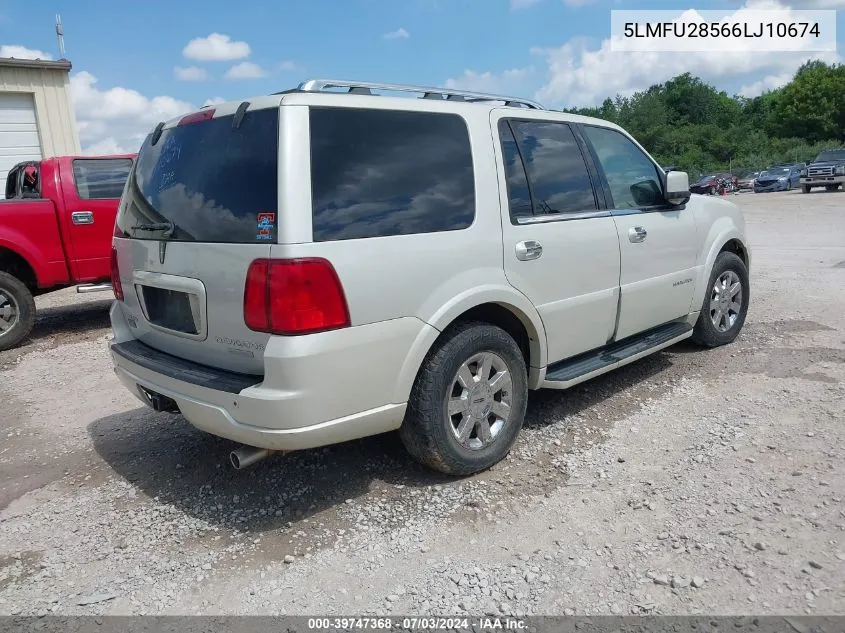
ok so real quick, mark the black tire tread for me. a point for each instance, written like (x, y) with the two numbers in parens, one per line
(420, 432)
(26, 306)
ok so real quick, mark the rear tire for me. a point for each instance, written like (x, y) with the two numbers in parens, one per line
(725, 303)
(468, 403)
(17, 311)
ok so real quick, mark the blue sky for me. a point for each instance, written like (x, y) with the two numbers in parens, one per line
(135, 62)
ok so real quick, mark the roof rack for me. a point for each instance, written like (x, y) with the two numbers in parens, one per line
(366, 88)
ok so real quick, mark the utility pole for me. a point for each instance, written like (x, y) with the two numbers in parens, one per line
(60, 35)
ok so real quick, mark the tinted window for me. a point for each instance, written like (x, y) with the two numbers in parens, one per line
(555, 167)
(381, 172)
(633, 179)
(214, 183)
(101, 178)
(519, 195)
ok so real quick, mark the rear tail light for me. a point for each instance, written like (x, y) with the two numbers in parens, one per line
(118, 232)
(294, 296)
(116, 285)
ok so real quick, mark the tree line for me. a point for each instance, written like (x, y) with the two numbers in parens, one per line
(690, 124)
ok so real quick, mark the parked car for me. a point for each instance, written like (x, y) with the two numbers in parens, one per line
(372, 263)
(710, 183)
(778, 178)
(746, 182)
(56, 228)
(828, 171)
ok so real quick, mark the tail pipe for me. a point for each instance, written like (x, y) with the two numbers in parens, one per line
(246, 456)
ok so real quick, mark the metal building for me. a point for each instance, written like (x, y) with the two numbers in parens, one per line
(36, 113)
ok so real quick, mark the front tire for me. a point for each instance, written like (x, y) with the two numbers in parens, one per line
(17, 311)
(468, 403)
(805, 188)
(725, 302)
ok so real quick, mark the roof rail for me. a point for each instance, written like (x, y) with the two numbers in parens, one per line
(364, 87)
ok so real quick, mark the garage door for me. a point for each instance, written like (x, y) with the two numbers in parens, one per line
(18, 133)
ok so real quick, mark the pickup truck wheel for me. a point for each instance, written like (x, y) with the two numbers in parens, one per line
(831, 187)
(468, 403)
(17, 311)
(805, 188)
(725, 302)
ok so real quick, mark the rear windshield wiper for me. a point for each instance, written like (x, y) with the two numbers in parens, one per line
(168, 227)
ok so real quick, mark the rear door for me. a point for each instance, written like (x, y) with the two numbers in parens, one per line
(658, 243)
(560, 245)
(199, 207)
(91, 188)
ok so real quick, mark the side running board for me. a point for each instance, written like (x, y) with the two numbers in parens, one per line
(605, 358)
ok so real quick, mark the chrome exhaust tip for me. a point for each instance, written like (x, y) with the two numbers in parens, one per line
(246, 456)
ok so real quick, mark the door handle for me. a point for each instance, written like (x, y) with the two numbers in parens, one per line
(82, 217)
(637, 234)
(529, 249)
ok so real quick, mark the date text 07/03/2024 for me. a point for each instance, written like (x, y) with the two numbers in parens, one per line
(417, 624)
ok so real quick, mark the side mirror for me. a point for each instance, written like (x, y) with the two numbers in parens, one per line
(677, 188)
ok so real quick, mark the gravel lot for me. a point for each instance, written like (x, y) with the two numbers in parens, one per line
(689, 482)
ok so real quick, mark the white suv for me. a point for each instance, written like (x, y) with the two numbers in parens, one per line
(329, 263)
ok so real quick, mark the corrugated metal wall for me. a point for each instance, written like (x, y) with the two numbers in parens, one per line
(53, 108)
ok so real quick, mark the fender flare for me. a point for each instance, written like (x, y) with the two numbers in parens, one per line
(504, 296)
(20, 245)
(724, 236)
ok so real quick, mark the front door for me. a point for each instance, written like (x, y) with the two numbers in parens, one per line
(658, 243)
(560, 248)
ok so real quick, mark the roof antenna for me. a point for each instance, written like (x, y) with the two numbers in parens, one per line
(60, 35)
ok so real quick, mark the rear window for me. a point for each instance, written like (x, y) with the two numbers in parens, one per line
(99, 179)
(212, 182)
(380, 172)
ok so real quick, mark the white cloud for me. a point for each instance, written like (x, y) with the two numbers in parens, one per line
(215, 47)
(245, 70)
(769, 82)
(118, 118)
(516, 5)
(288, 66)
(191, 73)
(815, 4)
(213, 101)
(22, 52)
(581, 74)
(506, 83)
(398, 34)
(105, 147)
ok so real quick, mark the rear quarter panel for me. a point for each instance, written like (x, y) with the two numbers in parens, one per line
(432, 277)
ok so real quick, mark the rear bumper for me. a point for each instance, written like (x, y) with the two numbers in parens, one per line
(305, 400)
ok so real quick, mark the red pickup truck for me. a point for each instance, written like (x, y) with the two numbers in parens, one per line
(56, 228)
